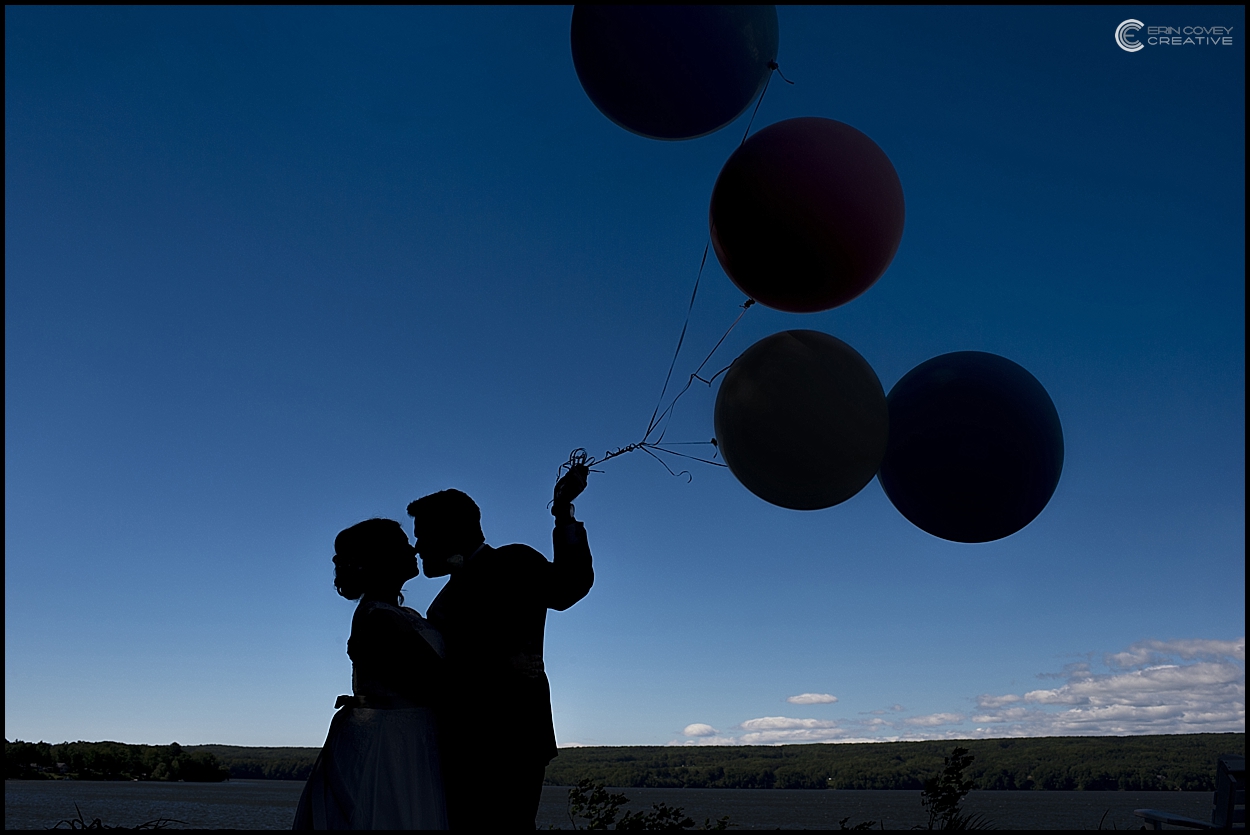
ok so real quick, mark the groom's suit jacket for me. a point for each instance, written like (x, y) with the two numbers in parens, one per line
(492, 614)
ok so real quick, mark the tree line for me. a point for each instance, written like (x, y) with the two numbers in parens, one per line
(246, 763)
(1106, 763)
(110, 761)
(1141, 763)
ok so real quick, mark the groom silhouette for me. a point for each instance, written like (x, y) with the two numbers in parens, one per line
(498, 734)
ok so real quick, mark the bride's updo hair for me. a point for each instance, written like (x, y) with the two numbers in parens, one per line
(364, 556)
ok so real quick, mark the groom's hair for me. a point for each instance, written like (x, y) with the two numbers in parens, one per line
(447, 508)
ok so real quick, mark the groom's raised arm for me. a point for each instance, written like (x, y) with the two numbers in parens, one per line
(571, 574)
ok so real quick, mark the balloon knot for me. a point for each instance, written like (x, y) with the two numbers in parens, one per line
(772, 65)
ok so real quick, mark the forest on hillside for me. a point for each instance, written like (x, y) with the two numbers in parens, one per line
(1146, 763)
(1103, 763)
(264, 763)
(110, 761)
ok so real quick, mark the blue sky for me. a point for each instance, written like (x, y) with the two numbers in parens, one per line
(269, 272)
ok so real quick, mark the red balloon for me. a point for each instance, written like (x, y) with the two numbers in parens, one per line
(806, 215)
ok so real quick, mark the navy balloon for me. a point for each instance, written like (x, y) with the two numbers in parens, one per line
(673, 72)
(975, 449)
(801, 420)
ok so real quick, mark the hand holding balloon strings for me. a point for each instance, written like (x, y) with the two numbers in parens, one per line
(569, 486)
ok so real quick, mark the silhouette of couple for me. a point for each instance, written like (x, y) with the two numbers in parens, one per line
(449, 724)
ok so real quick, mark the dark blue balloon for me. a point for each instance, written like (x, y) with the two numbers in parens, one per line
(673, 72)
(975, 449)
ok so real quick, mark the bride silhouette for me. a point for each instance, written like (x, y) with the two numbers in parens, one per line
(380, 766)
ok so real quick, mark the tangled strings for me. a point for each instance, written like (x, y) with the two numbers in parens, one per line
(658, 424)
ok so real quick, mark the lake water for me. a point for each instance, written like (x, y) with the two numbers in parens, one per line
(270, 804)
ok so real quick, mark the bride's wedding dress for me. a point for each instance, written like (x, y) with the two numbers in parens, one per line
(380, 766)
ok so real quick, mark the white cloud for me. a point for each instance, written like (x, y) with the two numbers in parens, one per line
(1152, 687)
(1009, 715)
(1148, 689)
(716, 739)
(1155, 652)
(775, 730)
(777, 737)
(997, 701)
(934, 719)
(892, 709)
(777, 723)
(812, 699)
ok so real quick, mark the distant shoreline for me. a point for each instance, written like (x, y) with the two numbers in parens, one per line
(1171, 762)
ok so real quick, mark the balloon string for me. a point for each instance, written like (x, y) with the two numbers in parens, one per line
(660, 418)
(695, 376)
(680, 340)
(579, 457)
(772, 67)
(651, 425)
